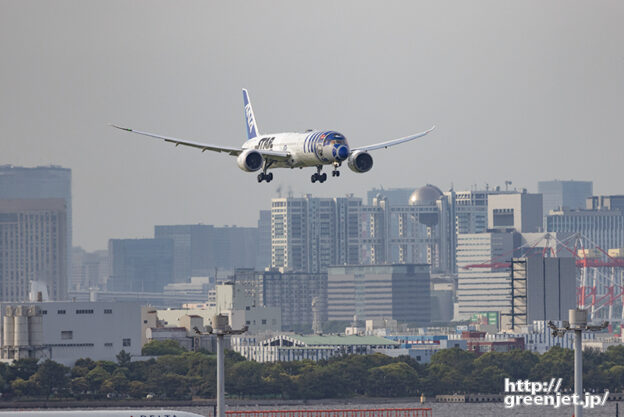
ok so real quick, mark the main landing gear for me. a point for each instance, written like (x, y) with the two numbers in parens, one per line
(265, 177)
(318, 176)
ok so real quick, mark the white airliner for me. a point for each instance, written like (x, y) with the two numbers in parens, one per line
(313, 148)
(99, 413)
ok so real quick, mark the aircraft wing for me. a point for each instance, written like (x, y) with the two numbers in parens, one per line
(203, 146)
(267, 153)
(392, 142)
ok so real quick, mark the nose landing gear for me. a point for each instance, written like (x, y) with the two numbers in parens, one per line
(335, 172)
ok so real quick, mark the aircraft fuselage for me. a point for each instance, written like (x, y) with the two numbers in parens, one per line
(312, 148)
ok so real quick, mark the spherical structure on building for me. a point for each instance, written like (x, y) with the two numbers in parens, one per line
(425, 196)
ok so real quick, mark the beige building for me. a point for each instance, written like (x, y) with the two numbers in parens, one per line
(231, 301)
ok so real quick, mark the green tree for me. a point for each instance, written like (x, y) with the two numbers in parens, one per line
(137, 389)
(96, 377)
(172, 386)
(51, 377)
(162, 347)
(245, 379)
(318, 382)
(23, 368)
(79, 386)
(25, 388)
(85, 363)
(615, 375)
(123, 358)
(488, 380)
(396, 379)
(556, 363)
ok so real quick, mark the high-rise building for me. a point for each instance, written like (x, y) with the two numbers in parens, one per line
(519, 211)
(420, 230)
(294, 293)
(558, 195)
(89, 269)
(140, 265)
(483, 273)
(470, 210)
(542, 289)
(263, 256)
(605, 202)
(33, 247)
(201, 249)
(604, 228)
(399, 292)
(308, 233)
(40, 182)
(396, 196)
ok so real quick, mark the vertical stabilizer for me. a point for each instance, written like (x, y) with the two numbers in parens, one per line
(250, 119)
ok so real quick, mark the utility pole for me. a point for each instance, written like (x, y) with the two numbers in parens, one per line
(221, 328)
(577, 322)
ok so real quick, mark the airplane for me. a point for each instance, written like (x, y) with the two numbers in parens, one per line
(312, 148)
(98, 413)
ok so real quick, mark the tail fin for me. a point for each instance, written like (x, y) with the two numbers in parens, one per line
(250, 119)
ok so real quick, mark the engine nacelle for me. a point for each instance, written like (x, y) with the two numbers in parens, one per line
(250, 160)
(360, 161)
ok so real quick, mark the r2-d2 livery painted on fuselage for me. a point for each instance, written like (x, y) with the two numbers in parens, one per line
(313, 148)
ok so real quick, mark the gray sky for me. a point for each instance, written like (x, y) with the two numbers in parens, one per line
(519, 90)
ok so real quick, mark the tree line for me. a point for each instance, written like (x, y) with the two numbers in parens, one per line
(177, 374)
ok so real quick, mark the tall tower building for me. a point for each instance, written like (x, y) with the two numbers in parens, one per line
(570, 195)
(398, 292)
(200, 248)
(40, 182)
(484, 281)
(33, 247)
(308, 234)
(140, 265)
(263, 256)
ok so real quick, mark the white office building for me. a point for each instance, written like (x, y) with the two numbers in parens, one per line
(483, 278)
(67, 331)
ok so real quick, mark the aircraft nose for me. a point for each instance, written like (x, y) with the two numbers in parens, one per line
(342, 153)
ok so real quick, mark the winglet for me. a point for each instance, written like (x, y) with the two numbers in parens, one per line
(122, 128)
(250, 119)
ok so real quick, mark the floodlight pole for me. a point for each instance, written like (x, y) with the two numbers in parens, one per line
(220, 375)
(577, 323)
(220, 329)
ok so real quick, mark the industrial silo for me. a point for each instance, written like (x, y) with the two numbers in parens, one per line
(35, 326)
(21, 326)
(8, 329)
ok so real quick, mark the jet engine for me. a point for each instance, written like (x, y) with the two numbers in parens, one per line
(250, 160)
(360, 161)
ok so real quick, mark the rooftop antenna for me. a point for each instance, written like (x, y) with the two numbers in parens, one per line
(507, 184)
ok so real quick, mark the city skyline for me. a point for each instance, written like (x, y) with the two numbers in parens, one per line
(520, 91)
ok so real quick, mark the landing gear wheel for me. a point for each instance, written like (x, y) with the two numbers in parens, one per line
(261, 177)
(335, 173)
(322, 177)
(268, 177)
(314, 178)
